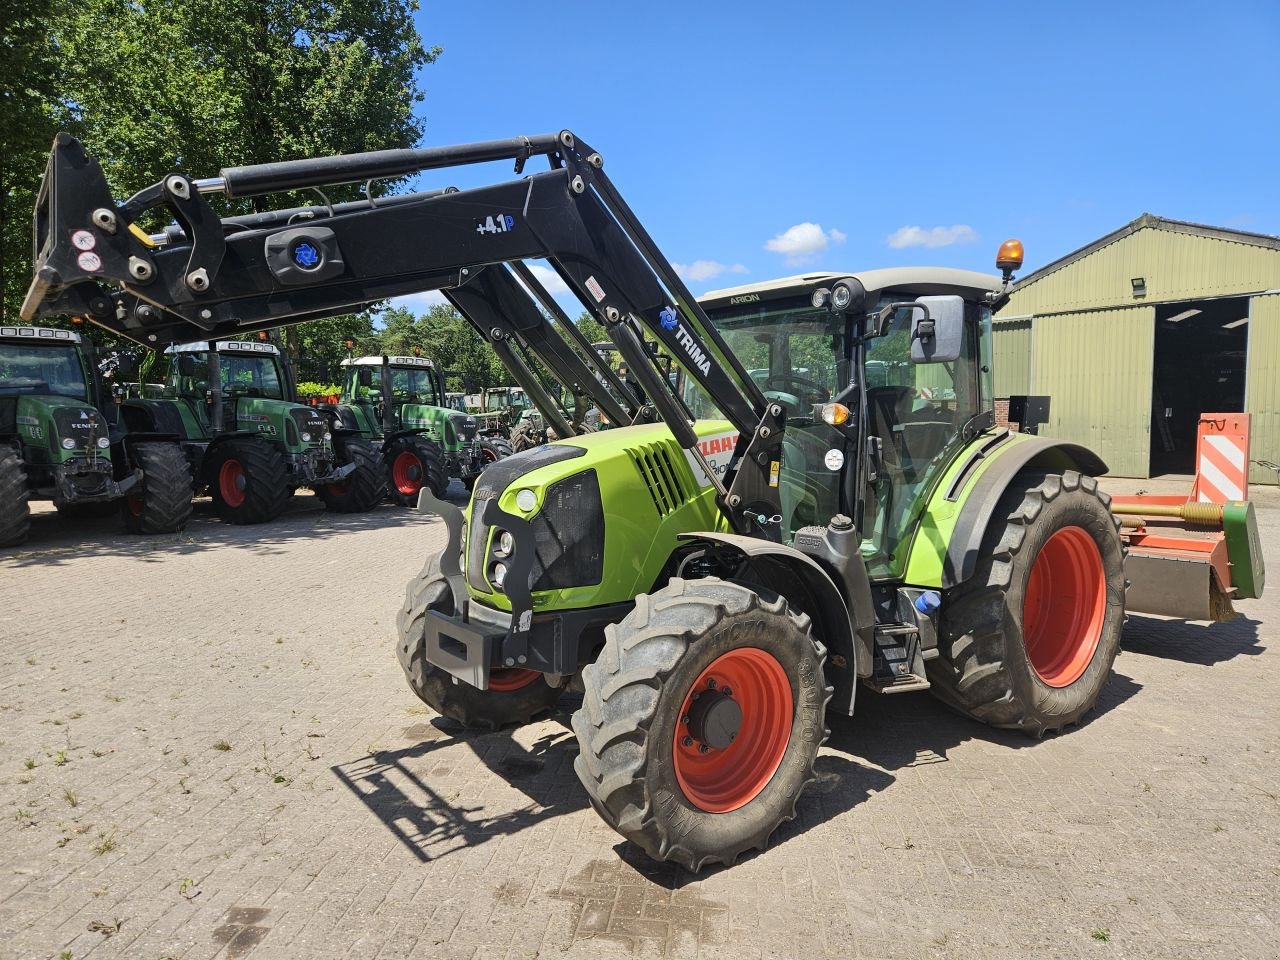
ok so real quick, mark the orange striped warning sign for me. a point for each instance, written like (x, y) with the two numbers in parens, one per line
(1222, 458)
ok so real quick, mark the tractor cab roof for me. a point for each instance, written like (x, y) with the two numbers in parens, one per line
(226, 346)
(391, 361)
(39, 334)
(920, 281)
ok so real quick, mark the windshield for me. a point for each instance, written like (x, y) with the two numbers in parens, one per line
(28, 368)
(413, 385)
(242, 376)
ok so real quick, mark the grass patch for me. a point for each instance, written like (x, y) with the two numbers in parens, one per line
(1102, 936)
(222, 745)
(105, 843)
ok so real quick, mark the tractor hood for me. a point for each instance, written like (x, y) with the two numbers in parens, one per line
(61, 428)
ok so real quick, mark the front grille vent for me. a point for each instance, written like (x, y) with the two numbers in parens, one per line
(658, 470)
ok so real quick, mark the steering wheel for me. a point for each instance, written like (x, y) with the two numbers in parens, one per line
(809, 390)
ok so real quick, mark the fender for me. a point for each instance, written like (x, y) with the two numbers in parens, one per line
(811, 589)
(985, 471)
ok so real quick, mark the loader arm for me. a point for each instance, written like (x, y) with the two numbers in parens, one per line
(208, 277)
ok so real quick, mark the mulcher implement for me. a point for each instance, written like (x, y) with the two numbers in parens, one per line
(819, 499)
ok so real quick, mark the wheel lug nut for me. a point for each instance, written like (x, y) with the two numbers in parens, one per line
(726, 691)
(711, 683)
(685, 721)
(687, 741)
(695, 696)
(703, 748)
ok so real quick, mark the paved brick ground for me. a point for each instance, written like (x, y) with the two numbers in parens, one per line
(207, 750)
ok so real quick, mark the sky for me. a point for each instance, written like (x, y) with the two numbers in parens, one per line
(756, 140)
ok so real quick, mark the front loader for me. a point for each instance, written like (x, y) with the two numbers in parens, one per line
(62, 439)
(735, 557)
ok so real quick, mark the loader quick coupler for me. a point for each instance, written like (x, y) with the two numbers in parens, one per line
(79, 481)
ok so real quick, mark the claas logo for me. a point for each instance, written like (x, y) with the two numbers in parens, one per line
(718, 445)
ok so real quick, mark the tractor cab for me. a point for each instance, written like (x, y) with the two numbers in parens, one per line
(235, 377)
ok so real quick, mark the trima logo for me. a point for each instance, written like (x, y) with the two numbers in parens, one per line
(670, 320)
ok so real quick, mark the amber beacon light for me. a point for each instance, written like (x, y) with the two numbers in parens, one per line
(1009, 258)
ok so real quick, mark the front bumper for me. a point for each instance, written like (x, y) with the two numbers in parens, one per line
(315, 468)
(90, 480)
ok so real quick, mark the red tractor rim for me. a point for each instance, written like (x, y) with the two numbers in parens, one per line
(752, 689)
(490, 455)
(231, 483)
(505, 681)
(1064, 607)
(406, 472)
(136, 504)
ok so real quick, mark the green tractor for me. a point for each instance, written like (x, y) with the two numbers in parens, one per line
(399, 404)
(60, 441)
(249, 445)
(822, 503)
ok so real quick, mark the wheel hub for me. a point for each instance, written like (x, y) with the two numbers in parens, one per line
(714, 718)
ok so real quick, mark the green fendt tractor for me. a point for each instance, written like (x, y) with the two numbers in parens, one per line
(60, 440)
(249, 444)
(398, 403)
(737, 556)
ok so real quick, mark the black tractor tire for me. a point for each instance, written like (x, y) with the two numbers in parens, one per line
(514, 697)
(247, 480)
(1029, 640)
(15, 517)
(492, 449)
(675, 800)
(413, 463)
(86, 509)
(364, 487)
(161, 502)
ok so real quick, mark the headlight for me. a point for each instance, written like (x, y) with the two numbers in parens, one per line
(68, 444)
(103, 443)
(306, 438)
(328, 436)
(498, 575)
(526, 500)
(506, 544)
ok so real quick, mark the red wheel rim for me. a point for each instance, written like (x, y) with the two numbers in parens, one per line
(406, 473)
(1064, 607)
(490, 455)
(504, 681)
(721, 780)
(231, 483)
(136, 504)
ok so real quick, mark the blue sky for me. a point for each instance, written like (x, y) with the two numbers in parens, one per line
(760, 139)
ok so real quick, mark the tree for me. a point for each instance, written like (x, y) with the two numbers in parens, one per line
(28, 78)
(157, 85)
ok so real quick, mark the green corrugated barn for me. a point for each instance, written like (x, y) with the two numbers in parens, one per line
(1135, 335)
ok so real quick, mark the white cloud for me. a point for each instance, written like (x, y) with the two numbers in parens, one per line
(701, 270)
(931, 237)
(549, 279)
(420, 302)
(801, 242)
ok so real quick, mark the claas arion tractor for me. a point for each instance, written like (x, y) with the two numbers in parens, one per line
(821, 502)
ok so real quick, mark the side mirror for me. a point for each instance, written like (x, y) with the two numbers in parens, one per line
(186, 365)
(937, 329)
(364, 376)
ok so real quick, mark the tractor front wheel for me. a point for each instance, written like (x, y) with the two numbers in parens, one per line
(1029, 640)
(364, 487)
(701, 721)
(15, 517)
(413, 463)
(514, 697)
(247, 480)
(161, 503)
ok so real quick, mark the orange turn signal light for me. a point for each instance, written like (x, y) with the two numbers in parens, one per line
(262, 335)
(834, 414)
(349, 344)
(1010, 255)
(417, 351)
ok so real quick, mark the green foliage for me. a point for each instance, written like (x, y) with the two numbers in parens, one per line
(309, 388)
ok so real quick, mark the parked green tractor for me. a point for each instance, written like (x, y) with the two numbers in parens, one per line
(740, 552)
(250, 446)
(399, 405)
(62, 440)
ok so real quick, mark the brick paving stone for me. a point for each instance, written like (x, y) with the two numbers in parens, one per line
(346, 821)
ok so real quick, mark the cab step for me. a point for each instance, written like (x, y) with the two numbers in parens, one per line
(898, 666)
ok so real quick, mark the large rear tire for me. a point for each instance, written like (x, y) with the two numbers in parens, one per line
(514, 697)
(247, 480)
(162, 503)
(364, 487)
(413, 463)
(492, 449)
(15, 517)
(1029, 640)
(690, 771)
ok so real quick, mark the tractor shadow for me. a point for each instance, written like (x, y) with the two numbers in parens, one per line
(55, 540)
(1192, 642)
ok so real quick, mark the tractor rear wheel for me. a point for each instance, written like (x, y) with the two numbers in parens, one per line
(514, 697)
(492, 449)
(413, 463)
(247, 480)
(364, 487)
(15, 517)
(701, 720)
(1029, 640)
(163, 501)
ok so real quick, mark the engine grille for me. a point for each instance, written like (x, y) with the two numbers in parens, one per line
(464, 426)
(658, 470)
